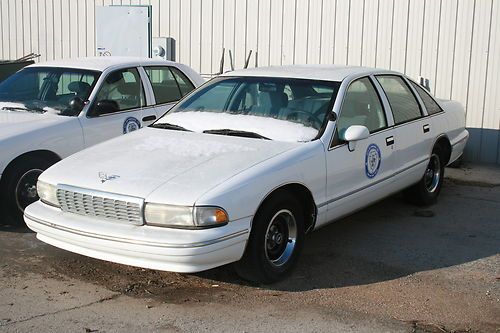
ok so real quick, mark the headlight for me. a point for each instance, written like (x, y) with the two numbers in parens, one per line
(184, 217)
(47, 193)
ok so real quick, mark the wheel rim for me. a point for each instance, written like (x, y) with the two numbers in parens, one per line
(281, 237)
(26, 188)
(432, 174)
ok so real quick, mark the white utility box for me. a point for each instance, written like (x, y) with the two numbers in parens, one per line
(123, 31)
(164, 47)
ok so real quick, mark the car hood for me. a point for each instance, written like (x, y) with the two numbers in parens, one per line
(172, 166)
(17, 122)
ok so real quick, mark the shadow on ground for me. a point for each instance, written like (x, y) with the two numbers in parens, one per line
(392, 239)
(385, 241)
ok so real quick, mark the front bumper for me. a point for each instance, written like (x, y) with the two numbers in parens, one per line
(176, 250)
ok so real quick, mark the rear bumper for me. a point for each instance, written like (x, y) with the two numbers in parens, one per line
(159, 248)
(457, 147)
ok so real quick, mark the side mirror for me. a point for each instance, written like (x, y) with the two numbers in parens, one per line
(332, 116)
(76, 105)
(353, 134)
(105, 106)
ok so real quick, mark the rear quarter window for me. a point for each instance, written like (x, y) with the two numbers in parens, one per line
(430, 104)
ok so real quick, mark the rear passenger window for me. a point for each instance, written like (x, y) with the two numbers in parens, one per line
(431, 105)
(165, 87)
(403, 103)
(361, 106)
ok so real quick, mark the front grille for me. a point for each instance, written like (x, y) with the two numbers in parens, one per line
(102, 205)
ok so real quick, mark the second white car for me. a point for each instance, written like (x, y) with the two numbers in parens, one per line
(51, 110)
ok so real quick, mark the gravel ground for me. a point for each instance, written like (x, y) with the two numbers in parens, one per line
(389, 268)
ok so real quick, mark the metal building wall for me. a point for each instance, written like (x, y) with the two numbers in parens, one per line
(454, 43)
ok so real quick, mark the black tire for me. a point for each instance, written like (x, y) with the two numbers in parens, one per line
(426, 191)
(18, 187)
(276, 240)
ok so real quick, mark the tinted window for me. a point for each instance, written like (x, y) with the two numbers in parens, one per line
(42, 89)
(361, 107)
(431, 105)
(75, 84)
(277, 108)
(184, 84)
(403, 103)
(122, 90)
(267, 98)
(165, 87)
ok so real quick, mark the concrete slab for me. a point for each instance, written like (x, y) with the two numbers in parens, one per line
(475, 174)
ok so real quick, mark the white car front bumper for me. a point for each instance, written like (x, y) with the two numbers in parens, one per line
(176, 250)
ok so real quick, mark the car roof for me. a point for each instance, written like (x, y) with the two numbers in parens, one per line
(103, 63)
(312, 72)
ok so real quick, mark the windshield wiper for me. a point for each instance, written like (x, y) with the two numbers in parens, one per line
(169, 126)
(230, 132)
(18, 108)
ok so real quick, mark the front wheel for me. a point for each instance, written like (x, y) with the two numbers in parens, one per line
(18, 188)
(275, 241)
(426, 191)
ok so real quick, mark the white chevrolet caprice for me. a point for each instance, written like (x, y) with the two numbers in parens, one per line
(244, 166)
(51, 110)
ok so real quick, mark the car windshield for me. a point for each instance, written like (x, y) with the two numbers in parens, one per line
(46, 89)
(281, 109)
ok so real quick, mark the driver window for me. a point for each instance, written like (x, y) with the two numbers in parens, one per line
(122, 90)
(361, 107)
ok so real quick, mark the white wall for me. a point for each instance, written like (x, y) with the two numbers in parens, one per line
(454, 43)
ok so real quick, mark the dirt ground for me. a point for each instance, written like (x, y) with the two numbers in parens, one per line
(392, 267)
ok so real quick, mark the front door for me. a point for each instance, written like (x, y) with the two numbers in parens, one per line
(360, 172)
(117, 108)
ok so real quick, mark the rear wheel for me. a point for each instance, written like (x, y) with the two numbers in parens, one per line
(18, 188)
(426, 191)
(275, 241)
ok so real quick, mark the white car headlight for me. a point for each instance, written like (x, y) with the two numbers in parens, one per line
(184, 217)
(47, 193)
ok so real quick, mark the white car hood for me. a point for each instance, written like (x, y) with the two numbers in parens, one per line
(17, 122)
(178, 167)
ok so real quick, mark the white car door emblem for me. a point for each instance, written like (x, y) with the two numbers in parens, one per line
(131, 124)
(104, 177)
(373, 159)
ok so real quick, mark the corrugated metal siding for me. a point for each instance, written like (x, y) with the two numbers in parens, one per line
(454, 43)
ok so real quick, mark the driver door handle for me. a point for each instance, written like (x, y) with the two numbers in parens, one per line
(389, 140)
(149, 118)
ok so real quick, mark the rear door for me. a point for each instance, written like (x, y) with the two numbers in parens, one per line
(117, 108)
(168, 85)
(412, 130)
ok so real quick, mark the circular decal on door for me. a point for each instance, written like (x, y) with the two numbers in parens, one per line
(131, 124)
(372, 160)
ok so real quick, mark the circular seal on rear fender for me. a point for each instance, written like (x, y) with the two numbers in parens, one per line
(373, 158)
(131, 124)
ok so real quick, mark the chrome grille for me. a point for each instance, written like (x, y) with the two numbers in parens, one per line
(98, 204)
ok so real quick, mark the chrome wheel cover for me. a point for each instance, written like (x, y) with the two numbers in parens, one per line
(432, 175)
(25, 191)
(280, 238)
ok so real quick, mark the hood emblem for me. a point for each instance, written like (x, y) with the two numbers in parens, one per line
(104, 177)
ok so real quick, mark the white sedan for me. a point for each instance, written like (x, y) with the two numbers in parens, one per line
(244, 166)
(51, 110)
